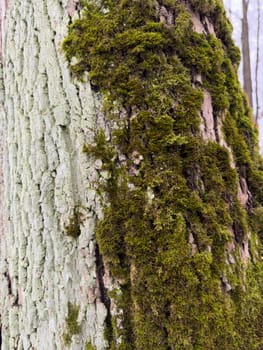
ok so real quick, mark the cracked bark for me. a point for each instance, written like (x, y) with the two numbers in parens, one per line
(45, 121)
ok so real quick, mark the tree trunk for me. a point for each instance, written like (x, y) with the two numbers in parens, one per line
(246, 53)
(257, 107)
(46, 119)
(141, 237)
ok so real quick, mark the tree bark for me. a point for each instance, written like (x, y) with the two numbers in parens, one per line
(257, 107)
(56, 290)
(246, 53)
(46, 119)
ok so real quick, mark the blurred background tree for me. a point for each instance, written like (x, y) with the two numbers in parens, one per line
(246, 17)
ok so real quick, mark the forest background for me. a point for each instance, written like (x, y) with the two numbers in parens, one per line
(236, 11)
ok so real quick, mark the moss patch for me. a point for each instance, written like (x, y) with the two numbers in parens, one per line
(72, 325)
(89, 346)
(173, 207)
(73, 227)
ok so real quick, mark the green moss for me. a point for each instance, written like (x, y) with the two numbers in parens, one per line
(73, 227)
(72, 325)
(173, 203)
(89, 346)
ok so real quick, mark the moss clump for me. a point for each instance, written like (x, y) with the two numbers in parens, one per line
(73, 227)
(72, 325)
(215, 12)
(173, 202)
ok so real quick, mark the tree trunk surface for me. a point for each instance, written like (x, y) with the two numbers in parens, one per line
(45, 121)
(58, 288)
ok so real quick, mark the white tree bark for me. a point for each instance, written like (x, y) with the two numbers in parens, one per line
(45, 121)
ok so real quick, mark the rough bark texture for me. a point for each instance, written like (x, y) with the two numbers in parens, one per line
(54, 283)
(45, 121)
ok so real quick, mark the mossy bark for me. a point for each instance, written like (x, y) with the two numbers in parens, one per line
(173, 209)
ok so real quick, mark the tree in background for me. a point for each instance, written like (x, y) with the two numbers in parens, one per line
(257, 107)
(246, 17)
(246, 52)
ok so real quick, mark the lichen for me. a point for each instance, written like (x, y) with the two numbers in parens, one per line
(172, 184)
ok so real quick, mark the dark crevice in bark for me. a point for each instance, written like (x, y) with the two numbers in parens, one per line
(238, 232)
(100, 271)
(9, 283)
(15, 303)
(216, 128)
(1, 337)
